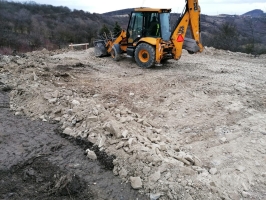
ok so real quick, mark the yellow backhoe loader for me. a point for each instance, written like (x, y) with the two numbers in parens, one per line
(149, 38)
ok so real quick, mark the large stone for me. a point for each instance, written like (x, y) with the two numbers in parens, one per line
(187, 171)
(68, 131)
(155, 176)
(240, 168)
(163, 146)
(20, 61)
(223, 140)
(213, 171)
(155, 196)
(92, 139)
(53, 100)
(120, 145)
(91, 154)
(102, 141)
(47, 96)
(136, 182)
(113, 128)
(35, 77)
(146, 170)
(92, 119)
(75, 102)
(68, 92)
(123, 173)
(95, 111)
(55, 94)
(197, 161)
(125, 133)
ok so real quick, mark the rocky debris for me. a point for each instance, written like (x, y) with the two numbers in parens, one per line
(54, 167)
(154, 124)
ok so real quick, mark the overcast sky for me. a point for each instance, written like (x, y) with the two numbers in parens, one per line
(208, 7)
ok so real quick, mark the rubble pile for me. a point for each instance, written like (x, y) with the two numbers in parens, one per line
(154, 150)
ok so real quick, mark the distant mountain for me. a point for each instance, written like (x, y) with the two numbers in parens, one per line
(254, 13)
(119, 12)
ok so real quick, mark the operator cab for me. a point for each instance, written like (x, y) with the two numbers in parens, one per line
(148, 22)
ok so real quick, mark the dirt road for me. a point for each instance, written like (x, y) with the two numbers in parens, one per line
(191, 129)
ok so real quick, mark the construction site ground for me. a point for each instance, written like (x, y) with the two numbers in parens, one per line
(74, 126)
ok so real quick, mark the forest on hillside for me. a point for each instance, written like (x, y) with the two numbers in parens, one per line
(30, 26)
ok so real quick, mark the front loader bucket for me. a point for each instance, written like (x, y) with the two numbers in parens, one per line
(99, 48)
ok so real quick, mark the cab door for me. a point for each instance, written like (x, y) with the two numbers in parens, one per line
(135, 27)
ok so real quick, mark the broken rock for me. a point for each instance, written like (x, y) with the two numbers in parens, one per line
(155, 177)
(75, 102)
(123, 173)
(136, 182)
(91, 154)
(113, 128)
(213, 171)
(68, 131)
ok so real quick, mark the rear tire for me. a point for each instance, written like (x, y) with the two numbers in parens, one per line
(145, 55)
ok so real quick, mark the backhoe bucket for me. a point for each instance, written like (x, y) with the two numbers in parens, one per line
(190, 45)
(99, 48)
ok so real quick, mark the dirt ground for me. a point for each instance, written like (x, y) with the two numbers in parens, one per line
(191, 129)
(40, 162)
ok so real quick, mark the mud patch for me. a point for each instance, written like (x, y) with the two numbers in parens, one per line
(105, 159)
(37, 163)
(38, 178)
(4, 100)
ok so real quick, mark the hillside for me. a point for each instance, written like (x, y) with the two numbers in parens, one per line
(30, 26)
(235, 33)
(254, 13)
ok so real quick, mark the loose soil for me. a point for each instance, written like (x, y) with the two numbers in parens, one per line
(191, 129)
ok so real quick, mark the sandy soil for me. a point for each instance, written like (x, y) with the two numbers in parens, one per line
(191, 129)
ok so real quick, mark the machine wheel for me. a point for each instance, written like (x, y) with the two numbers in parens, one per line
(115, 52)
(190, 52)
(145, 55)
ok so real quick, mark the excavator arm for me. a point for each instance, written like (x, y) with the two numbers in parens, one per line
(190, 17)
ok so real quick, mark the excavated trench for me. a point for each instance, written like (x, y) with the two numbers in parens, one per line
(38, 161)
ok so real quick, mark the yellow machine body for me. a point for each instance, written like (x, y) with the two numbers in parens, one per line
(149, 39)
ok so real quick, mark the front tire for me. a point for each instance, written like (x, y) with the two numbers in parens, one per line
(145, 55)
(116, 52)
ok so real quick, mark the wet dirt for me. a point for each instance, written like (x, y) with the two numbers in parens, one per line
(38, 161)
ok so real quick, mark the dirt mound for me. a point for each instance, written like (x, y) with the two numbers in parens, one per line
(191, 129)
